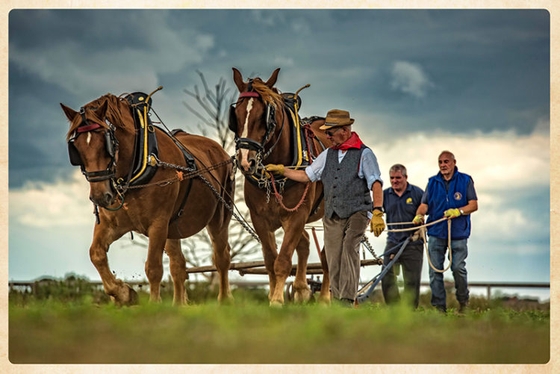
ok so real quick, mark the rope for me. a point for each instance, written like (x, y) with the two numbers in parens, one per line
(422, 229)
(279, 197)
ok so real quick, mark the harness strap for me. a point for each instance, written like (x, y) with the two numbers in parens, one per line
(249, 94)
(88, 128)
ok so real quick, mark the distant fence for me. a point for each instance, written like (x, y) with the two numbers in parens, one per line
(30, 286)
(490, 285)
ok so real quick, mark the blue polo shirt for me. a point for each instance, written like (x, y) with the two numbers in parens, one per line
(401, 209)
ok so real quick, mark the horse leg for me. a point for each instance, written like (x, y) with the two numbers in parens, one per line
(270, 254)
(283, 263)
(120, 292)
(325, 294)
(302, 292)
(157, 235)
(177, 267)
(221, 257)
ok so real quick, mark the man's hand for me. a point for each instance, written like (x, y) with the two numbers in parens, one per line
(275, 168)
(418, 219)
(376, 224)
(452, 213)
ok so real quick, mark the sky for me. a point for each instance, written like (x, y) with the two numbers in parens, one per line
(475, 82)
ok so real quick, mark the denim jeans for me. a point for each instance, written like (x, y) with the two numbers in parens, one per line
(437, 249)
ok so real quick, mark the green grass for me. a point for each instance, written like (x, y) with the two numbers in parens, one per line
(251, 332)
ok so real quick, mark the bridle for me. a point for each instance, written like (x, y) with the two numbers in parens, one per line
(248, 143)
(111, 147)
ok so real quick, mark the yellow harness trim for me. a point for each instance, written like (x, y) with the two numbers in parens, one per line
(143, 117)
(301, 155)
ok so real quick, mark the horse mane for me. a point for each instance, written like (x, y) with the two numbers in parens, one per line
(268, 95)
(117, 113)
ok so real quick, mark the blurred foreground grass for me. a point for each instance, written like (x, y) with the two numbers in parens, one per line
(251, 332)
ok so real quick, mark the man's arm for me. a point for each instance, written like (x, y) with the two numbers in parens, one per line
(296, 175)
(377, 190)
(422, 209)
(471, 207)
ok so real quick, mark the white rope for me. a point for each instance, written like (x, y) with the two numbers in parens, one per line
(422, 234)
(422, 230)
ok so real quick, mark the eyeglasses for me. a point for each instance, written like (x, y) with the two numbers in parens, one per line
(332, 132)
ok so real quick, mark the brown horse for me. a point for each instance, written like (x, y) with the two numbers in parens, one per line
(183, 173)
(261, 122)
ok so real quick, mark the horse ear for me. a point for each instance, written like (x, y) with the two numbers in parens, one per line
(100, 112)
(238, 79)
(272, 80)
(70, 113)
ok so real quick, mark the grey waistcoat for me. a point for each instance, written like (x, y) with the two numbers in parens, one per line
(345, 192)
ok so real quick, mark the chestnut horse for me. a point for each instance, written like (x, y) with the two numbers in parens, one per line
(103, 139)
(263, 134)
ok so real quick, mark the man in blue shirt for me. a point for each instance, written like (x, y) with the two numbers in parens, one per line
(400, 202)
(449, 194)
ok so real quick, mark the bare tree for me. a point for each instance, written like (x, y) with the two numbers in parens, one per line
(215, 110)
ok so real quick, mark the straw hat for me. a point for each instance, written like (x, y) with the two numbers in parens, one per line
(336, 118)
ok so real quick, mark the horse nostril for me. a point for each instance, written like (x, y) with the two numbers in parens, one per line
(108, 198)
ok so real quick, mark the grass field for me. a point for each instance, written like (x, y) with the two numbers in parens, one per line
(250, 332)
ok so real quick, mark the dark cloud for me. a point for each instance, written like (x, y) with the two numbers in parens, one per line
(486, 70)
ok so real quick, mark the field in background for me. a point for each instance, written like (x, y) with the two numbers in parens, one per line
(73, 325)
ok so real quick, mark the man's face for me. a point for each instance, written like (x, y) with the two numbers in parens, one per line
(446, 165)
(337, 135)
(398, 181)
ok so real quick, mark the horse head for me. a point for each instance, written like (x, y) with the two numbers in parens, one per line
(93, 146)
(254, 118)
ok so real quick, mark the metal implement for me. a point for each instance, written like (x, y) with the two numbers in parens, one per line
(365, 292)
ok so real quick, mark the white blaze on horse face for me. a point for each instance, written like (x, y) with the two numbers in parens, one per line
(88, 137)
(245, 152)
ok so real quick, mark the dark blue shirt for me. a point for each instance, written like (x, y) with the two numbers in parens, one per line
(401, 209)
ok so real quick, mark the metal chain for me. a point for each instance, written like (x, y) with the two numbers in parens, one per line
(192, 173)
(239, 219)
(369, 247)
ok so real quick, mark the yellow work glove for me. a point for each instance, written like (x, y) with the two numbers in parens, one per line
(376, 224)
(452, 213)
(418, 220)
(275, 168)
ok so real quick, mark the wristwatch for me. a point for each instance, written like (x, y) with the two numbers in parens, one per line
(461, 211)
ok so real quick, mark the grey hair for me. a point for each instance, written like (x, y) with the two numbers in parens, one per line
(447, 153)
(399, 167)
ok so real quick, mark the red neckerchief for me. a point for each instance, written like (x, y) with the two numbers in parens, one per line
(353, 142)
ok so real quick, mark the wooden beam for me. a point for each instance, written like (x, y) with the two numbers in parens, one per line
(257, 267)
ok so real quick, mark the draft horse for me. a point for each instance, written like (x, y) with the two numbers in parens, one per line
(264, 133)
(142, 179)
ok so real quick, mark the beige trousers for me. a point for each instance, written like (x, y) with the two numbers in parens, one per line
(342, 238)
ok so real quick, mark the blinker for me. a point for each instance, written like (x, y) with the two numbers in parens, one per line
(74, 155)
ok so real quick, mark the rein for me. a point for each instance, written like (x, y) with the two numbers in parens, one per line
(279, 197)
(422, 230)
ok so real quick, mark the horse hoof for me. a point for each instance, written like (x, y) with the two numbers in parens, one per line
(324, 301)
(276, 304)
(302, 296)
(127, 296)
(228, 300)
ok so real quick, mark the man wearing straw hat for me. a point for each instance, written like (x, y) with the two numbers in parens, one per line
(400, 202)
(350, 173)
